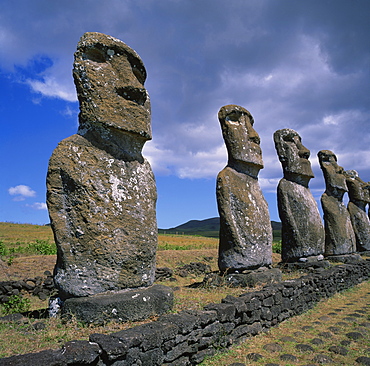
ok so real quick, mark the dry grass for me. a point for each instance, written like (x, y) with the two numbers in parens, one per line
(21, 337)
(26, 267)
(174, 251)
(186, 242)
(24, 233)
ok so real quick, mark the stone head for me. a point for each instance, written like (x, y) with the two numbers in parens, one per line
(335, 179)
(293, 155)
(242, 141)
(358, 190)
(109, 77)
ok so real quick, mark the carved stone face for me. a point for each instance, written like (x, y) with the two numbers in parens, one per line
(333, 173)
(358, 190)
(292, 154)
(367, 193)
(109, 78)
(242, 141)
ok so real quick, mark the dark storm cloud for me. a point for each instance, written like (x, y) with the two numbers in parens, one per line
(302, 65)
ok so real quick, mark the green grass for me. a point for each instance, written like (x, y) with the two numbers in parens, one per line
(276, 247)
(16, 304)
(43, 247)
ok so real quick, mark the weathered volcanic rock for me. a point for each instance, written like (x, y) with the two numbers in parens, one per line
(121, 306)
(245, 228)
(101, 191)
(302, 229)
(339, 235)
(359, 197)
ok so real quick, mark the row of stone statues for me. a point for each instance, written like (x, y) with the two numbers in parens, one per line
(245, 234)
(101, 192)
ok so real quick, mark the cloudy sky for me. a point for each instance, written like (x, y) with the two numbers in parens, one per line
(294, 64)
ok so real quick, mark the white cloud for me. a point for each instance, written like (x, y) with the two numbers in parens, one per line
(345, 117)
(21, 192)
(70, 112)
(38, 206)
(201, 164)
(330, 120)
(269, 185)
(281, 70)
(50, 87)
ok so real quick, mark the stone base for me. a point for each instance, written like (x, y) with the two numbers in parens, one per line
(309, 264)
(122, 306)
(365, 253)
(249, 278)
(344, 258)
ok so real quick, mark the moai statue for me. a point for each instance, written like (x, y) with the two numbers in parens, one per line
(101, 192)
(245, 227)
(303, 235)
(359, 197)
(339, 235)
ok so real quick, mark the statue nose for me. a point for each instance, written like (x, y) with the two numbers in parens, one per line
(253, 135)
(303, 152)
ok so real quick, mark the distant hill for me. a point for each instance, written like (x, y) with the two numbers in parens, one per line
(209, 227)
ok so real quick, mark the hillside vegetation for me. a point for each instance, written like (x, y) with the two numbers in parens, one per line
(210, 228)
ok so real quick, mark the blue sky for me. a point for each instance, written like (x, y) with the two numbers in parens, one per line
(303, 65)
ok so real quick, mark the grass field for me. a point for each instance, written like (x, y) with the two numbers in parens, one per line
(25, 251)
(21, 258)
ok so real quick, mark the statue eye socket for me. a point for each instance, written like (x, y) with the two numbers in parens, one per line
(233, 117)
(290, 137)
(95, 55)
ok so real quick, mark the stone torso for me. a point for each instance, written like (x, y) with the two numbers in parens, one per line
(102, 211)
(245, 228)
(358, 192)
(339, 235)
(302, 229)
(361, 226)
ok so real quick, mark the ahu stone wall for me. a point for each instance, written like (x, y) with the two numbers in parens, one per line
(186, 338)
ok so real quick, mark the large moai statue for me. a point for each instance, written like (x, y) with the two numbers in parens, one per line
(359, 197)
(101, 192)
(245, 227)
(303, 235)
(339, 235)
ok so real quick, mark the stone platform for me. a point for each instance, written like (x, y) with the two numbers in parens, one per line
(344, 258)
(292, 266)
(248, 278)
(122, 306)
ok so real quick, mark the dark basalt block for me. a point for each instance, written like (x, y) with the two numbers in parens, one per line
(122, 306)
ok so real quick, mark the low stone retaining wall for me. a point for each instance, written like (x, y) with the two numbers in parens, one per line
(188, 337)
(38, 286)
